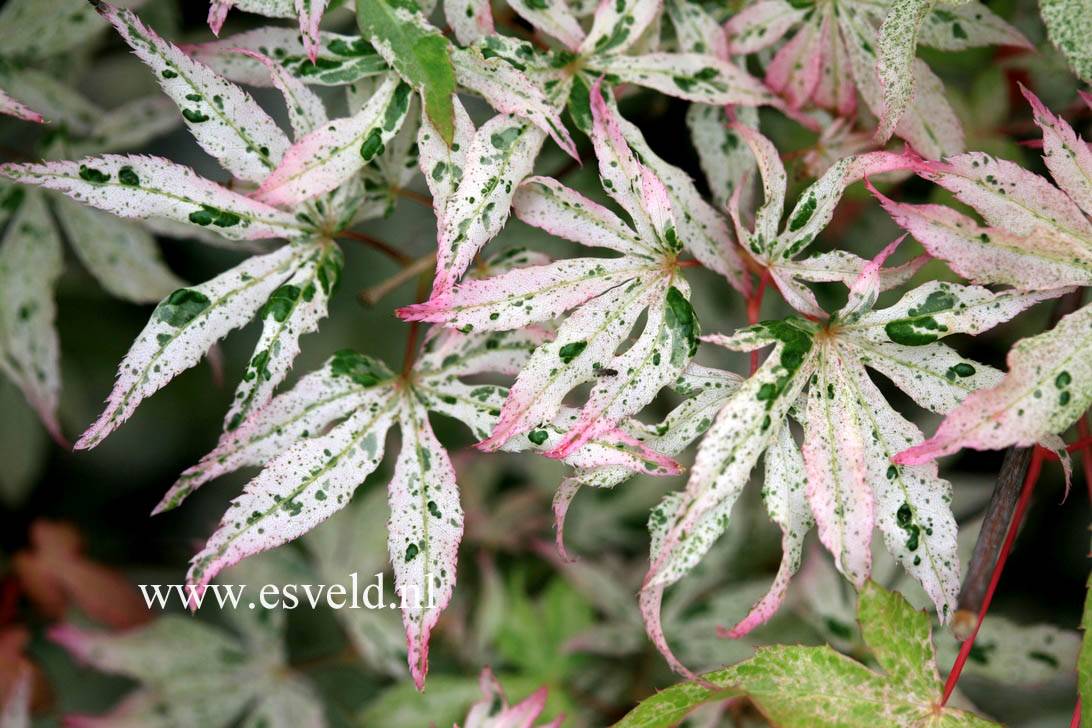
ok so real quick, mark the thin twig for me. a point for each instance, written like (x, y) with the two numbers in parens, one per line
(372, 296)
(379, 245)
(415, 196)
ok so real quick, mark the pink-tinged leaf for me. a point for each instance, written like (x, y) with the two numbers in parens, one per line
(1047, 387)
(310, 15)
(839, 489)
(1066, 155)
(702, 230)
(1044, 260)
(493, 711)
(704, 78)
(347, 382)
(785, 493)
(293, 309)
(542, 292)
(449, 352)
(333, 153)
(897, 47)
(441, 164)
(13, 107)
(1010, 197)
(760, 25)
(696, 30)
(305, 110)
(145, 187)
(502, 153)
(425, 528)
(183, 327)
(31, 260)
(563, 498)
(630, 183)
(838, 265)
(584, 343)
(224, 119)
(356, 59)
(510, 92)
(552, 17)
(655, 360)
(57, 102)
(618, 24)
(772, 172)
(864, 291)
(836, 89)
(968, 25)
(218, 10)
(470, 20)
(122, 256)
(794, 71)
(745, 426)
(911, 504)
(298, 489)
(562, 211)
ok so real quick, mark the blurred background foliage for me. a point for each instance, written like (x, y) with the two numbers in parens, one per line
(573, 627)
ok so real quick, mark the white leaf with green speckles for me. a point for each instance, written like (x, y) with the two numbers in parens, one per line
(618, 25)
(700, 228)
(218, 10)
(585, 342)
(723, 154)
(691, 76)
(300, 488)
(743, 429)
(937, 309)
(122, 256)
(310, 15)
(449, 352)
(696, 29)
(347, 382)
(898, 43)
(510, 92)
(443, 165)
(933, 375)
(342, 59)
(968, 25)
(1066, 155)
(785, 494)
(1047, 387)
(553, 18)
(469, 19)
(425, 527)
(337, 150)
(14, 107)
(146, 187)
(224, 119)
(306, 111)
(501, 154)
(293, 309)
(1069, 26)
(912, 506)
(1008, 652)
(183, 327)
(30, 263)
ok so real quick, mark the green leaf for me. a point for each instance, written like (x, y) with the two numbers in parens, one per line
(418, 51)
(812, 687)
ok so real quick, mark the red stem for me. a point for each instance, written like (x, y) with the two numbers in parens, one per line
(1076, 722)
(754, 307)
(1017, 515)
(1086, 451)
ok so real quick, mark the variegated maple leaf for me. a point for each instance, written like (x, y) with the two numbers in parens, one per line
(839, 48)
(622, 45)
(1037, 237)
(308, 12)
(193, 673)
(842, 478)
(609, 294)
(289, 287)
(308, 476)
(777, 248)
